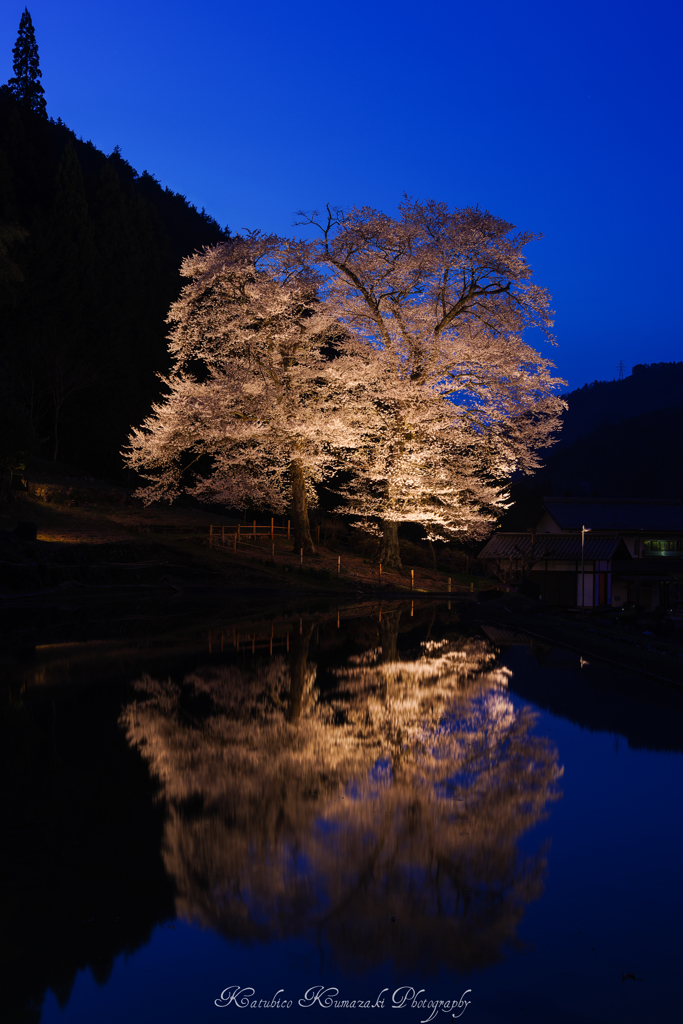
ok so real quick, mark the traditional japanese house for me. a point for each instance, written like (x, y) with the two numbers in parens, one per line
(597, 552)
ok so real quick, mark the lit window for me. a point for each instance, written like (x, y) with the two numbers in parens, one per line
(664, 546)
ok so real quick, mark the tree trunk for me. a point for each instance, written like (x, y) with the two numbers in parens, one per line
(58, 406)
(390, 553)
(298, 669)
(302, 529)
(388, 636)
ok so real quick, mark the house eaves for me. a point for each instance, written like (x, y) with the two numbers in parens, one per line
(553, 546)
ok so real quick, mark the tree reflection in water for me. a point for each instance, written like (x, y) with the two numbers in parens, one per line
(400, 795)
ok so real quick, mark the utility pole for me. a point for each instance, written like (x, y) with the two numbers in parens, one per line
(584, 531)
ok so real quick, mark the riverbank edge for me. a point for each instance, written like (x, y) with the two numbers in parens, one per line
(651, 656)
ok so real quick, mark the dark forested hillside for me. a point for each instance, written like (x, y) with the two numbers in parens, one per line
(89, 258)
(650, 386)
(621, 439)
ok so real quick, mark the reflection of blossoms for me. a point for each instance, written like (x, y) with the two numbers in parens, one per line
(407, 700)
(244, 755)
(402, 795)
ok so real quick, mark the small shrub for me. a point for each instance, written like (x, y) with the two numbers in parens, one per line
(364, 544)
(416, 554)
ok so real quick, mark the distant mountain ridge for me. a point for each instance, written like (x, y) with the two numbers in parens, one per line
(620, 439)
(650, 386)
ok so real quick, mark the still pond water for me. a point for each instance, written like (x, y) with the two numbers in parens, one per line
(357, 815)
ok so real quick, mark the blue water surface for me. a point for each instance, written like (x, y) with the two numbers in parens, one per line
(600, 942)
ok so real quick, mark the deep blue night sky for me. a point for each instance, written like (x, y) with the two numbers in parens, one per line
(560, 117)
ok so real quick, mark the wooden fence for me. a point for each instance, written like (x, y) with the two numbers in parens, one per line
(252, 532)
(243, 531)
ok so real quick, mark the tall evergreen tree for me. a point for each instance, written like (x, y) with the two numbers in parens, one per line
(25, 85)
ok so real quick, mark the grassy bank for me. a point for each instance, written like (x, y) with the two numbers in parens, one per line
(95, 535)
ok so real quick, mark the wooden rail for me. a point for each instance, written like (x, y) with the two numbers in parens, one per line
(243, 532)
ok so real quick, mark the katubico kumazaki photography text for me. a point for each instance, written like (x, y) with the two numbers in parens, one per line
(403, 998)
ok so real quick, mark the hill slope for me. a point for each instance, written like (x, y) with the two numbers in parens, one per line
(91, 257)
(621, 439)
(650, 387)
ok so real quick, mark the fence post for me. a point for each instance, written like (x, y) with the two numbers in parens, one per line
(301, 558)
(338, 564)
(449, 584)
(254, 529)
(288, 529)
(412, 581)
(380, 578)
(272, 531)
(211, 536)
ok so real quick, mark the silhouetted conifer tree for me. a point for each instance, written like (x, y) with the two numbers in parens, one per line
(25, 86)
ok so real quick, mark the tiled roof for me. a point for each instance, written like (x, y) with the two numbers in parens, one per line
(557, 546)
(623, 516)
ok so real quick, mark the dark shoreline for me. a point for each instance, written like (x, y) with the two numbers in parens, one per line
(135, 607)
(652, 656)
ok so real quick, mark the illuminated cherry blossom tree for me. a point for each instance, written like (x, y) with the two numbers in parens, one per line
(252, 392)
(445, 297)
(389, 349)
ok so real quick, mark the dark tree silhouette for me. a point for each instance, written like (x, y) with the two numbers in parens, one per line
(25, 85)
